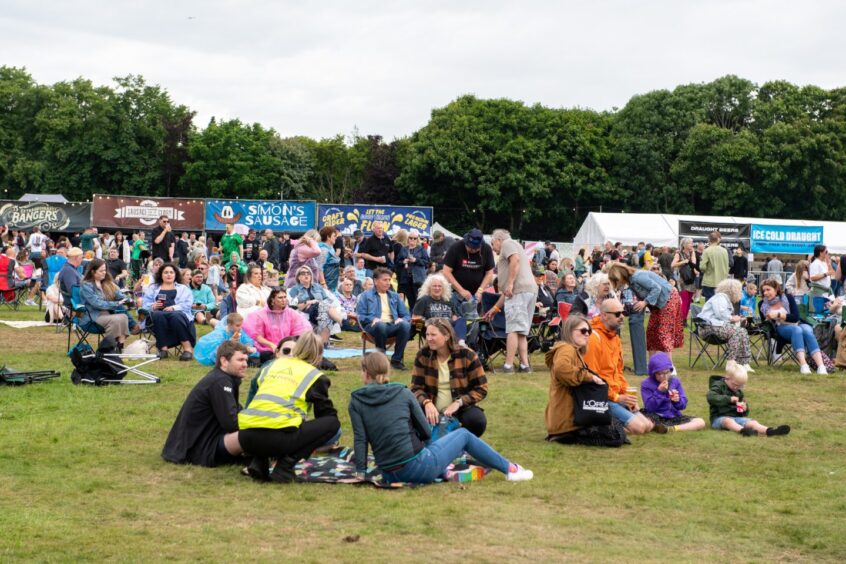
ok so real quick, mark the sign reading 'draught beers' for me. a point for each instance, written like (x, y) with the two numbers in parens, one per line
(130, 212)
(47, 216)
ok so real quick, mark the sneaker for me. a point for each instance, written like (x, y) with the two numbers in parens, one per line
(397, 365)
(283, 472)
(30, 302)
(659, 428)
(750, 432)
(506, 369)
(778, 431)
(520, 475)
(525, 369)
(186, 356)
(335, 339)
(822, 370)
(804, 369)
(259, 469)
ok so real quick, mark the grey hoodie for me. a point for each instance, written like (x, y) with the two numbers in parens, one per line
(389, 417)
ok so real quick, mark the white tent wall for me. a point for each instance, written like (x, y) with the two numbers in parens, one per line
(662, 229)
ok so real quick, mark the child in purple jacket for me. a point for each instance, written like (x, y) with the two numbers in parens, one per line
(664, 398)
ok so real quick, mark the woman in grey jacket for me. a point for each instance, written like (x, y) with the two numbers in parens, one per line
(389, 418)
(721, 321)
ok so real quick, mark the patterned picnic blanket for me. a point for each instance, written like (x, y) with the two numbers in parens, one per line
(337, 466)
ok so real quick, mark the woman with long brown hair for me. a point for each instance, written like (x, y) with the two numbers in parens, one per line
(104, 303)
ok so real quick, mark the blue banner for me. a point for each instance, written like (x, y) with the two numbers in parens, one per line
(349, 218)
(277, 215)
(788, 239)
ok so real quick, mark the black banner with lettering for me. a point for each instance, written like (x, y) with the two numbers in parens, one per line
(48, 216)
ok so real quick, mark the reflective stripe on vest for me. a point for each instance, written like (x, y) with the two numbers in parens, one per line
(280, 401)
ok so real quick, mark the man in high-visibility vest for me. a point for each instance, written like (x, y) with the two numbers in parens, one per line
(206, 430)
(274, 425)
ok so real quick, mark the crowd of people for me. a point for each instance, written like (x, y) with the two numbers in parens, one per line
(279, 303)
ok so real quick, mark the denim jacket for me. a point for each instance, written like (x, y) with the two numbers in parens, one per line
(369, 307)
(96, 303)
(651, 288)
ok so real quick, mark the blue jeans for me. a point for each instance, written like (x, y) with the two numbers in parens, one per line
(638, 336)
(621, 412)
(432, 461)
(801, 337)
(718, 422)
(383, 331)
(708, 292)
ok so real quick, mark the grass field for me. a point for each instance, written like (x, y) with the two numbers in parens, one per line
(82, 480)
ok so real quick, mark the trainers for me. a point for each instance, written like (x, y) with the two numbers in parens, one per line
(283, 472)
(804, 369)
(520, 475)
(397, 365)
(525, 369)
(30, 302)
(259, 469)
(659, 428)
(822, 370)
(506, 369)
(335, 339)
(777, 431)
(750, 432)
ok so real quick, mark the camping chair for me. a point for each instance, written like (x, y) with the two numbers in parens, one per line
(83, 330)
(108, 365)
(557, 322)
(703, 344)
(779, 351)
(541, 333)
(12, 377)
(365, 338)
(492, 337)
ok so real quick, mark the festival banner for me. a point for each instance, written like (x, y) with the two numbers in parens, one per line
(349, 218)
(277, 215)
(130, 212)
(733, 234)
(786, 239)
(48, 216)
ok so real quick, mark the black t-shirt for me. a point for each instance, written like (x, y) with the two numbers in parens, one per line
(469, 268)
(376, 247)
(115, 267)
(251, 249)
(162, 250)
(427, 308)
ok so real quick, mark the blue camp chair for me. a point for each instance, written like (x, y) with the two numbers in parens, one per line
(81, 324)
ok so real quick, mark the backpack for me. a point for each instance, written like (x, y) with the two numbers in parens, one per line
(91, 367)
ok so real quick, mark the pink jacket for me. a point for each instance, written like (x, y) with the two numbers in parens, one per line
(275, 325)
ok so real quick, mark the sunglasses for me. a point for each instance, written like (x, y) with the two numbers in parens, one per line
(585, 330)
(615, 313)
(287, 350)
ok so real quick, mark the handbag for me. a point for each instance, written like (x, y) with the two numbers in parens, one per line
(591, 406)
(686, 273)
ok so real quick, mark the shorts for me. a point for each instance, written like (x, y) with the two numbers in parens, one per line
(519, 310)
(621, 412)
(718, 422)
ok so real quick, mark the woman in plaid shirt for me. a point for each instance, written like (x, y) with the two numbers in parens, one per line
(448, 379)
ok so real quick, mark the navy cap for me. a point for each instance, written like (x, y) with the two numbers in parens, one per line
(473, 239)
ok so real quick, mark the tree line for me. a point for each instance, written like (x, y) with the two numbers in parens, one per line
(728, 147)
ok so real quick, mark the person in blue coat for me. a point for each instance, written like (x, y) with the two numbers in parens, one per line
(412, 267)
(229, 329)
(105, 304)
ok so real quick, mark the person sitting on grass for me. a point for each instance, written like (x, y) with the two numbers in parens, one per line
(273, 422)
(449, 379)
(206, 430)
(273, 323)
(728, 406)
(388, 418)
(664, 398)
(229, 329)
(205, 306)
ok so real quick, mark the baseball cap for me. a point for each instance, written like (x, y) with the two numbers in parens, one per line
(357, 233)
(473, 238)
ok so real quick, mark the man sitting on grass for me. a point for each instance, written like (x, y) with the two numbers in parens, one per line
(206, 430)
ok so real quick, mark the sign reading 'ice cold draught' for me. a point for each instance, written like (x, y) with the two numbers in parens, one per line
(788, 239)
(261, 214)
(349, 218)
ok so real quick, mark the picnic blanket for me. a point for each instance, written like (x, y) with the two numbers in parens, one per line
(337, 466)
(341, 353)
(26, 324)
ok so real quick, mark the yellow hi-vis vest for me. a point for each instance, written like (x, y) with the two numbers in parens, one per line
(280, 400)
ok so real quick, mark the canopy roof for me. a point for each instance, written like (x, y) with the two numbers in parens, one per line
(663, 229)
(51, 198)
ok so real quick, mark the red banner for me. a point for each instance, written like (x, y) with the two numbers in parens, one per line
(130, 212)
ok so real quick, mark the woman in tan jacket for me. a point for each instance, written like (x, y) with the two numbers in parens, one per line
(567, 369)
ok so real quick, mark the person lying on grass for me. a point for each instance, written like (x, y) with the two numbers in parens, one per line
(729, 410)
(206, 430)
(389, 418)
(664, 398)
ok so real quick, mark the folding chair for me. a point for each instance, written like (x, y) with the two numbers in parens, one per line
(107, 367)
(557, 322)
(82, 329)
(365, 339)
(492, 334)
(779, 351)
(703, 345)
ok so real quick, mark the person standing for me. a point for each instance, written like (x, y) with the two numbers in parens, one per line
(163, 240)
(272, 246)
(714, 265)
(180, 250)
(469, 267)
(437, 252)
(740, 268)
(231, 242)
(377, 249)
(518, 294)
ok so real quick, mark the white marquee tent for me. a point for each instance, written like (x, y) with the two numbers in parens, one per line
(663, 229)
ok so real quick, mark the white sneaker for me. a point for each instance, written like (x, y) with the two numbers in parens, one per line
(804, 369)
(822, 370)
(520, 475)
(30, 302)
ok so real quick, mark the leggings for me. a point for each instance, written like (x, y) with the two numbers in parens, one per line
(296, 442)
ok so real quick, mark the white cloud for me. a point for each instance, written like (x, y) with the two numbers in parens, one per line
(319, 69)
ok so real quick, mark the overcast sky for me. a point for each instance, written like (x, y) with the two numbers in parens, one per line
(322, 68)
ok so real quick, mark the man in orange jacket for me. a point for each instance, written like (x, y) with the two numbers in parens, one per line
(605, 357)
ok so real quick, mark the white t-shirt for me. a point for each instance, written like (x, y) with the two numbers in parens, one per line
(36, 240)
(819, 267)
